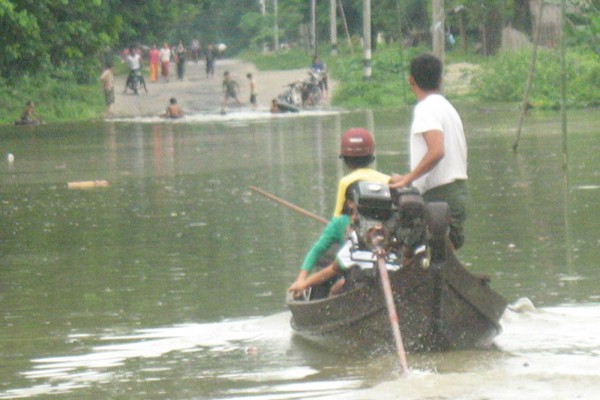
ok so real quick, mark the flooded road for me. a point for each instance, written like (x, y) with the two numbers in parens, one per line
(169, 282)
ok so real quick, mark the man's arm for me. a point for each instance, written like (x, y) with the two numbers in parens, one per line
(315, 279)
(435, 152)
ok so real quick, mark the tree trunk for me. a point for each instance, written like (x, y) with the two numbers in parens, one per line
(438, 31)
(462, 30)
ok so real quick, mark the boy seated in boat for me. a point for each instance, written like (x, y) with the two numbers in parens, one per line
(351, 254)
(173, 110)
(357, 151)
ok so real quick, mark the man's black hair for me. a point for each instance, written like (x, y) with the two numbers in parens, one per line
(426, 70)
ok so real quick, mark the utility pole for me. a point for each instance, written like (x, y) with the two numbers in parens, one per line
(367, 39)
(333, 26)
(263, 12)
(438, 29)
(313, 26)
(276, 27)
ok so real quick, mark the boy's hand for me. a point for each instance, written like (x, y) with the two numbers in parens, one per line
(297, 287)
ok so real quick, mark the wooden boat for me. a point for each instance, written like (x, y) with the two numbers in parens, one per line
(440, 305)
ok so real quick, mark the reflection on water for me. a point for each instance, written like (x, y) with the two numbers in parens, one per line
(169, 282)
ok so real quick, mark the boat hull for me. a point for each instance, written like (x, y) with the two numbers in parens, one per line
(441, 307)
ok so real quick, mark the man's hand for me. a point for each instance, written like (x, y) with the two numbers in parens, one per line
(398, 181)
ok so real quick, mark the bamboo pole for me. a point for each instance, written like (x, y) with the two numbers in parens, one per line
(348, 38)
(563, 85)
(525, 104)
(288, 204)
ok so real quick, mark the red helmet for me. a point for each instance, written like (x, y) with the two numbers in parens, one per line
(357, 142)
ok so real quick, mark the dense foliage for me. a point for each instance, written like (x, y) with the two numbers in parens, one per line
(49, 44)
(503, 78)
(68, 38)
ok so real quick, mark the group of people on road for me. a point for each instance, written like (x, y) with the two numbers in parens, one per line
(438, 170)
(159, 65)
(160, 59)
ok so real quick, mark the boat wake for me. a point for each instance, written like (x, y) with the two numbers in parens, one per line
(214, 350)
(549, 353)
(228, 116)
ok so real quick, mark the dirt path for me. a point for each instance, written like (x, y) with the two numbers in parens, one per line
(199, 94)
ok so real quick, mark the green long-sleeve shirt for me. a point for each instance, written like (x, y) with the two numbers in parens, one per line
(334, 232)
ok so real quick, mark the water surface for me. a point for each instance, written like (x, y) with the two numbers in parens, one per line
(169, 282)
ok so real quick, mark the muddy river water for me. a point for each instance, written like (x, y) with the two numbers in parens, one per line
(168, 283)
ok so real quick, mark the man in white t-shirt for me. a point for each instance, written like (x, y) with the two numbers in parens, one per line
(438, 148)
(134, 60)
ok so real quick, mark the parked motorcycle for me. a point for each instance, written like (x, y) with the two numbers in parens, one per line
(311, 89)
(292, 94)
(304, 93)
(135, 81)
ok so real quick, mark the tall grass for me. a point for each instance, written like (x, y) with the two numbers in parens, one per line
(55, 100)
(502, 78)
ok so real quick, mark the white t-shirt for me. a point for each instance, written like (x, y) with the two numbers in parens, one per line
(349, 255)
(165, 54)
(134, 61)
(436, 113)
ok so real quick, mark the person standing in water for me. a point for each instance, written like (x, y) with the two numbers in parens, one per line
(253, 91)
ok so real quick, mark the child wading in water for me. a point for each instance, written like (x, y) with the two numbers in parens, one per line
(173, 110)
(253, 91)
(108, 84)
(230, 89)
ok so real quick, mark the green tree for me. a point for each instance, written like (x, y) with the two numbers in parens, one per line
(55, 35)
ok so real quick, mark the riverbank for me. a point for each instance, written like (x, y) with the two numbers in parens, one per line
(197, 93)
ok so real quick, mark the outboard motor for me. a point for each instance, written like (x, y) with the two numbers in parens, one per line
(376, 212)
(404, 224)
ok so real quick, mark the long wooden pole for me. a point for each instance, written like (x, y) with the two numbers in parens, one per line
(391, 307)
(525, 104)
(348, 38)
(288, 204)
(563, 85)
